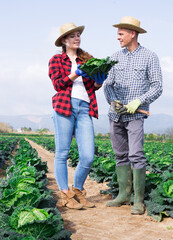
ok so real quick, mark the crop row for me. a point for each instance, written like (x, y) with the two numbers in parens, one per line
(159, 178)
(27, 208)
(7, 145)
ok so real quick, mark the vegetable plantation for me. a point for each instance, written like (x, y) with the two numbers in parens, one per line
(159, 178)
(27, 207)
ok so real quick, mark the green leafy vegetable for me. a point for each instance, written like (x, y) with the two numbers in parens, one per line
(95, 65)
(168, 187)
(28, 216)
(35, 222)
(19, 197)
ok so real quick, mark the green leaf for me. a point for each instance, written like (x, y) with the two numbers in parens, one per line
(24, 218)
(39, 223)
(168, 187)
(95, 65)
(40, 214)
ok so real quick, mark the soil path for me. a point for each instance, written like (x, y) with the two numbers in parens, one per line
(102, 223)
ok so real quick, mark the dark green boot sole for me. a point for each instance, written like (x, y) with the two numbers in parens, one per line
(116, 203)
(138, 209)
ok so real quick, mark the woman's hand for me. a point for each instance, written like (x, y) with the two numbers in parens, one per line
(80, 72)
(99, 78)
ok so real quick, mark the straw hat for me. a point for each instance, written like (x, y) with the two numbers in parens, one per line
(130, 23)
(66, 29)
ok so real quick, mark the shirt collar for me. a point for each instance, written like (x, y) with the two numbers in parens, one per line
(134, 51)
(65, 56)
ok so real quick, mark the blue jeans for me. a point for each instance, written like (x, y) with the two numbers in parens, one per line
(79, 123)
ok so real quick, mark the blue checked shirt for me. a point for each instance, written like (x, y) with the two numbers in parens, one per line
(136, 75)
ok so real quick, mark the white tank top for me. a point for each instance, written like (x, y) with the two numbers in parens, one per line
(78, 88)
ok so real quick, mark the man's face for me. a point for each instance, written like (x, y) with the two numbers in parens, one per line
(125, 37)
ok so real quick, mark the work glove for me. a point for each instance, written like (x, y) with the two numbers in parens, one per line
(99, 78)
(133, 106)
(79, 72)
(118, 107)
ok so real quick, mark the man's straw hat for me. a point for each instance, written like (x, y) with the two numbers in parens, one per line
(66, 29)
(130, 23)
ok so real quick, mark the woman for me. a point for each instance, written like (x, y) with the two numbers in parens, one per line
(74, 106)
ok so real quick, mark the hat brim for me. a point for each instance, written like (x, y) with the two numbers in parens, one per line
(130, 27)
(58, 42)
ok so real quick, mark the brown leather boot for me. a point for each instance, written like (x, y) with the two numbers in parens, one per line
(80, 197)
(68, 200)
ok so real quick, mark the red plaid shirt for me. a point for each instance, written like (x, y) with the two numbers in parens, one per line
(59, 69)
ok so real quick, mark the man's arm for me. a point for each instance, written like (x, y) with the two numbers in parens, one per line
(155, 81)
(109, 87)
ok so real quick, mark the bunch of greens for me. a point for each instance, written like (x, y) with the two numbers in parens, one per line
(40, 224)
(95, 65)
(24, 189)
(27, 208)
(160, 200)
(26, 156)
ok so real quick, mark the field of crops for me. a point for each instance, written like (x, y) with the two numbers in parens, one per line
(159, 179)
(27, 208)
(24, 189)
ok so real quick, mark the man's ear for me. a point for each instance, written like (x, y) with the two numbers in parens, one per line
(134, 33)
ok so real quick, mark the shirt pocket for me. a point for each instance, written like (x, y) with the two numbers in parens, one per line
(139, 73)
(119, 73)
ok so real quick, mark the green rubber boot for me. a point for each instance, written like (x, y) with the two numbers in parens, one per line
(124, 177)
(139, 189)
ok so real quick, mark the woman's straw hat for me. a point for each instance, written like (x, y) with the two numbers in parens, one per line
(66, 29)
(130, 23)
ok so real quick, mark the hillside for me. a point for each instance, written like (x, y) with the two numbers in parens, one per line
(156, 123)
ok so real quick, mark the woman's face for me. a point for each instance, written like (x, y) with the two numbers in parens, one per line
(72, 40)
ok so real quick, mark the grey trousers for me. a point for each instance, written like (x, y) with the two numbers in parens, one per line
(127, 142)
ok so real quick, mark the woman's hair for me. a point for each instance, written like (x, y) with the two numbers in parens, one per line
(84, 56)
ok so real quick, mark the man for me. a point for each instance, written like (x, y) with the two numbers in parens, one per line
(135, 81)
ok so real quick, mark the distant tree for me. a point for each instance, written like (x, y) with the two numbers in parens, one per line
(25, 129)
(41, 131)
(5, 128)
(154, 137)
(169, 132)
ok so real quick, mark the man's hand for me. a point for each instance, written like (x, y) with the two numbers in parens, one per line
(133, 106)
(119, 107)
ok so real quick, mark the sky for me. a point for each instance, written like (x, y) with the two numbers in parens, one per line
(29, 29)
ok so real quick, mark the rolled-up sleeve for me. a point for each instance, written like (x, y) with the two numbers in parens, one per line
(108, 86)
(57, 74)
(109, 91)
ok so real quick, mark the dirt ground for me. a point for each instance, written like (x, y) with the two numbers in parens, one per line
(101, 222)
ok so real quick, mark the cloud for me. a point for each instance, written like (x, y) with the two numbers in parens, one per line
(52, 36)
(167, 70)
(167, 64)
(26, 91)
(34, 73)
